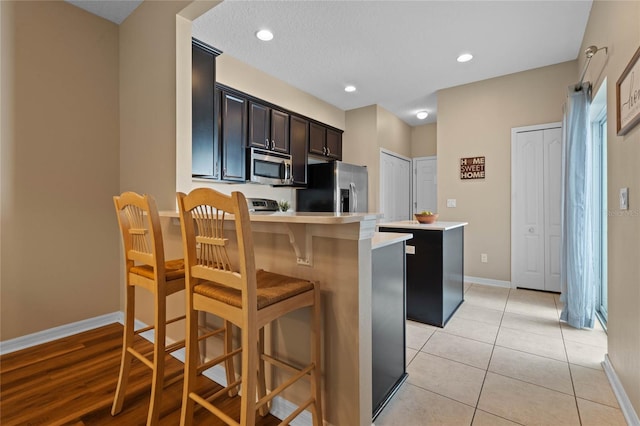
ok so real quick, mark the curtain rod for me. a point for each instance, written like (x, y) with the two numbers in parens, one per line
(589, 52)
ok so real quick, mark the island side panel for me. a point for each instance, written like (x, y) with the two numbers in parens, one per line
(452, 271)
(342, 268)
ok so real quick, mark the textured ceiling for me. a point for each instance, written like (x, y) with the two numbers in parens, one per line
(397, 53)
(113, 10)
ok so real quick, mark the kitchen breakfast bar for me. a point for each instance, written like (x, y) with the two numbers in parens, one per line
(335, 250)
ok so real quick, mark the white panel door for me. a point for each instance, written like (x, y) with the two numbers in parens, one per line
(527, 215)
(425, 188)
(536, 193)
(552, 206)
(395, 187)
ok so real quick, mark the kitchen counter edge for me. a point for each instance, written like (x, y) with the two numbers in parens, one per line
(413, 224)
(299, 217)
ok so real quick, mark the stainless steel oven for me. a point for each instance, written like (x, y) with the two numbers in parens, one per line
(269, 167)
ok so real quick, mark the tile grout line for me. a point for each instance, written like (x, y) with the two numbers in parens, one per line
(486, 372)
(566, 353)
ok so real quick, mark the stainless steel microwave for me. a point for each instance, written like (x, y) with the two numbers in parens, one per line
(269, 167)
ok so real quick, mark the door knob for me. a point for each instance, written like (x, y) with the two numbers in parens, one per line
(531, 230)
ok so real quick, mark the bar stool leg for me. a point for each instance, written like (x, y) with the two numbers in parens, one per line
(262, 384)
(157, 381)
(229, 363)
(127, 358)
(249, 376)
(190, 366)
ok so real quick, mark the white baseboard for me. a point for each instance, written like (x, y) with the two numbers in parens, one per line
(51, 334)
(626, 407)
(487, 281)
(280, 407)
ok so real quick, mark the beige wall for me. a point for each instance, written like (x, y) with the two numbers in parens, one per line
(360, 146)
(59, 166)
(369, 129)
(476, 120)
(615, 25)
(148, 101)
(393, 133)
(424, 140)
(236, 74)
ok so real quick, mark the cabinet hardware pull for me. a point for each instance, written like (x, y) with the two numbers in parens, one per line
(328, 151)
(273, 144)
(324, 150)
(266, 143)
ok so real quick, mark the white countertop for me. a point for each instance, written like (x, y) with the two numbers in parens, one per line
(382, 239)
(414, 224)
(299, 217)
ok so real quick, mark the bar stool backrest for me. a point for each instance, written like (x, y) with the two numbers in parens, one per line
(205, 242)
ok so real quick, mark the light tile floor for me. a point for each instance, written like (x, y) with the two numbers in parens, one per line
(504, 359)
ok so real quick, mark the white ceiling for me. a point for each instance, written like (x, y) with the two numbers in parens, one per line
(397, 53)
(112, 10)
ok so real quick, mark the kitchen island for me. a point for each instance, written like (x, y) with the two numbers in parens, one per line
(334, 249)
(435, 269)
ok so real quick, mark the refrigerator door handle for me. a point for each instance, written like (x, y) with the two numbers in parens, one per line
(352, 186)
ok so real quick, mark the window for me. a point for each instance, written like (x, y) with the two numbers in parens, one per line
(598, 115)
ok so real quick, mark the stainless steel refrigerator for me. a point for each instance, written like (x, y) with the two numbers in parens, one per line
(334, 187)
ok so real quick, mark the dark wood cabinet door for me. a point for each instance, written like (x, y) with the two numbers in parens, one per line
(259, 132)
(279, 131)
(203, 144)
(299, 143)
(317, 139)
(234, 135)
(334, 144)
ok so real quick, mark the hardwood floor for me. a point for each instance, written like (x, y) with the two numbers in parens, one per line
(72, 381)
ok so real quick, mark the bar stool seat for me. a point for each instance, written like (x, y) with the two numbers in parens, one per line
(272, 288)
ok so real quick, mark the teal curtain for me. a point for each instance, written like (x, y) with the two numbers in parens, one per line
(577, 267)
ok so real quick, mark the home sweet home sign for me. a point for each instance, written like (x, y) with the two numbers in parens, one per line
(472, 168)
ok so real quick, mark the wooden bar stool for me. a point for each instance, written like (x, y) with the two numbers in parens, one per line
(246, 297)
(146, 268)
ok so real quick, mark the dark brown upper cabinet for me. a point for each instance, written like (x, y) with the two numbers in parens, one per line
(204, 143)
(299, 147)
(233, 131)
(325, 142)
(268, 128)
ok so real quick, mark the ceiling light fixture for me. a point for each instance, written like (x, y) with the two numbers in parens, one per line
(350, 89)
(264, 35)
(422, 115)
(465, 57)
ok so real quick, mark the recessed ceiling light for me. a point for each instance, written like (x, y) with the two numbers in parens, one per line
(350, 89)
(465, 57)
(264, 35)
(422, 115)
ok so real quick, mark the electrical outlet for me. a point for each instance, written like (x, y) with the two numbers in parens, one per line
(483, 258)
(451, 202)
